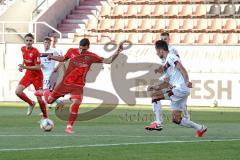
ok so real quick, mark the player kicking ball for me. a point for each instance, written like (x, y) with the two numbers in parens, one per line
(73, 81)
(177, 89)
(33, 75)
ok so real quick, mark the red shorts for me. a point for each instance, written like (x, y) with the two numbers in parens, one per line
(61, 90)
(36, 81)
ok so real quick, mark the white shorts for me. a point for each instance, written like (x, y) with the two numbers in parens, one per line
(179, 105)
(179, 98)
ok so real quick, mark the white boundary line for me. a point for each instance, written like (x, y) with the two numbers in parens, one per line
(72, 135)
(118, 144)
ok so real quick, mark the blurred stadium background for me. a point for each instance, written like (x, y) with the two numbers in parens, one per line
(206, 34)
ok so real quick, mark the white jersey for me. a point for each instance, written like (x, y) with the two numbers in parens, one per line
(48, 65)
(175, 76)
(172, 50)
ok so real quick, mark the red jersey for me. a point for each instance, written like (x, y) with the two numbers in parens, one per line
(31, 57)
(80, 65)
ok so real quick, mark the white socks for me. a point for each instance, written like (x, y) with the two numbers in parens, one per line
(157, 109)
(188, 123)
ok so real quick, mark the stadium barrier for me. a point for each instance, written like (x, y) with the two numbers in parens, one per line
(213, 71)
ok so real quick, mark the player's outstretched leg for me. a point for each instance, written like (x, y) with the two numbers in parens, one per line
(157, 124)
(19, 92)
(43, 108)
(186, 122)
(73, 113)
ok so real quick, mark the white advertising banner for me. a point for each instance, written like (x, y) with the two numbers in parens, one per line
(215, 83)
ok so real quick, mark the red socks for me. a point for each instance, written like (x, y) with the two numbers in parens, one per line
(43, 108)
(25, 98)
(73, 114)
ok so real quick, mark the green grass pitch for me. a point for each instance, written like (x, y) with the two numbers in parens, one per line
(119, 135)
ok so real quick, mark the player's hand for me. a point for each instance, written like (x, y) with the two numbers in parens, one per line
(49, 57)
(189, 84)
(159, 70)
(150, 88)
(21, 67)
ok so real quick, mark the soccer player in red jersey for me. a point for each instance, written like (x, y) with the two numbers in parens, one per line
(74, 78)
(33, 74)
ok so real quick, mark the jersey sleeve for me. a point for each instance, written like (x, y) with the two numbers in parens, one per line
(172, 60)
(36, 58)
(68, 54)
(96, 59)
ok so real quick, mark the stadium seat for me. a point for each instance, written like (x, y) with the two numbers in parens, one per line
(119, 37)
(214, 25)
(105, 11)
(230, 25)
(229, 10)
(235, 1)
(132, 11)
(184, 1)
(231, 39)
(209, 1)
(134, 38)
(92, 25)
(105, 38)
(202, 39)
(171, 11)
(175, 38)
(215, 11)
(118, 11)
(173, 25)
(237, 14)
(185, 11)
(105, 25)
(146, 25)
(159, 25)
(171, 1)
(145, 11)
(132, 25)
(197, 1)
(119, 25)
(188, 38)
(216, 38)
(200, 11)
(200, 25)
(158, 11)
(147, 38)
(224, 1)
(187, 25)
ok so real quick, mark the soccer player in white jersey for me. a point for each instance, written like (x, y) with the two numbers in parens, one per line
(48, 66)
(157, 107)
(179, 89)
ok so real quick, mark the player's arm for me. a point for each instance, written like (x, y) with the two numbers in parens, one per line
(110, 59)
(33, 68)
(183, 71)
(56, 58)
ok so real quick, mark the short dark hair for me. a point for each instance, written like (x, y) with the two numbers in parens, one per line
(29, 35)
(84, 42)
(165, 34)
(47, 39)
(161, 44)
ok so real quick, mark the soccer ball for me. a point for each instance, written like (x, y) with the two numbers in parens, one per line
(46, 125)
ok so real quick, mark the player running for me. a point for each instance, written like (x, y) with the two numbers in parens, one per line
(157, 107)
(177, 90)
(33, 75)
(74, 78)
(48, 66)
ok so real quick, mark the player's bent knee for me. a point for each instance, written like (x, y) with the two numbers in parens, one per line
(177, 120)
